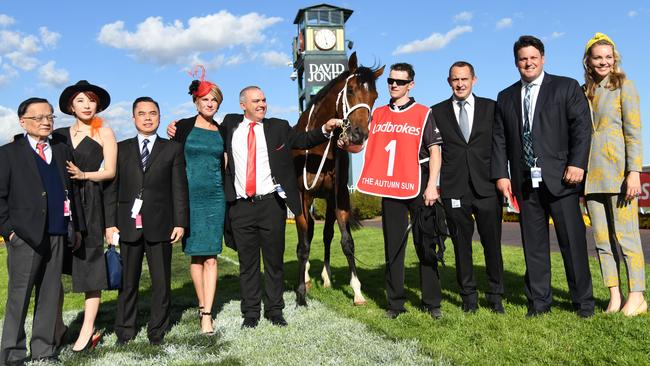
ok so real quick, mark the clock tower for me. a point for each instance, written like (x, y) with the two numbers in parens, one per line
(319, 48)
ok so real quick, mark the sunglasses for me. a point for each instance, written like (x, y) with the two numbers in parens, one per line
(399, 82)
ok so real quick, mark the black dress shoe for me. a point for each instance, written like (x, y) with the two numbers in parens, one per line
(121, 341)
(46, 359)
(497, 307)
(585, 313)
(278, 321)
(470, 308)
(156, 341)
(392, 313)
(250, 322)
(17, 362)
(435, 313)
(533, 313)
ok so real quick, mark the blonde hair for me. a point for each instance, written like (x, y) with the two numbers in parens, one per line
(215, 91)
(616, 76)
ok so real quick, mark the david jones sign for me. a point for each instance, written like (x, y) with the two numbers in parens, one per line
(324, 72)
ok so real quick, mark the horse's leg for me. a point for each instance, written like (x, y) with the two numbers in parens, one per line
(347, 244)
(328, 234)
(310, 237)
(302, 249)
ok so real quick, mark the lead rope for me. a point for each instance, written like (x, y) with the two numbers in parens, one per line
(343, 136)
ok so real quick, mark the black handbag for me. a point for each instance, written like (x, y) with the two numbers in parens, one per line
(113, 268)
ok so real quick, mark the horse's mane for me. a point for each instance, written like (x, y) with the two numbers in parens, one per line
(364, 74)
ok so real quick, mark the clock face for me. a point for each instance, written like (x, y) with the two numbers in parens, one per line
(325, 39)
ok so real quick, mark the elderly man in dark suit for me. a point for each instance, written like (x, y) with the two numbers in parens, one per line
(37, 206)
(465, 122)
(260, 183)
(542, 131)
(147, 204)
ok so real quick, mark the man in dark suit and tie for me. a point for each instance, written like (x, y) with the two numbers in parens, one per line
(465, 122)
(260, 183)
(542, 131)
(37, 205)
(147, 204)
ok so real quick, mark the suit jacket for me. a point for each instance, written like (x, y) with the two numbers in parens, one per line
(164, 191)
(280, 140)
(464, 161)
(616, 147)
(23, 201)
(561, 134)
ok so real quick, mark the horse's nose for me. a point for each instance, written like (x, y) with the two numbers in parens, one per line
(357, 136)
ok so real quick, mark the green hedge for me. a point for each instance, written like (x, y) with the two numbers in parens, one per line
(364, 206)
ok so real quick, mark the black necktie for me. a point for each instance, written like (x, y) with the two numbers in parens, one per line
(529, 153)
(145, 154)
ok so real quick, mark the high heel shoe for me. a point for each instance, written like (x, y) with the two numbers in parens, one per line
(641, 309)
(208, 333)
(92, 342)
(200, 309)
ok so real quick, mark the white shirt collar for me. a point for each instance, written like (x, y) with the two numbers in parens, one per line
(469, 100)
(151, 139)
(33, 142)
(538, 81)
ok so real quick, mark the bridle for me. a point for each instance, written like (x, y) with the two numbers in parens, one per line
(342, 99)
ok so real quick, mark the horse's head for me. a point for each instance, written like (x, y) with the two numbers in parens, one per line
(357, 97)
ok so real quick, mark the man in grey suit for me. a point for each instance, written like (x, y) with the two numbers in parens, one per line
(37, 204)
(542, 132)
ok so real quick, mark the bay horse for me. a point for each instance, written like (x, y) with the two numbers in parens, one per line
(323, 171)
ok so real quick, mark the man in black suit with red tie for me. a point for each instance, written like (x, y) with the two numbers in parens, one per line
(542, 131)
(259, 184)
(37, 205)
(465, 123)
(147, 204)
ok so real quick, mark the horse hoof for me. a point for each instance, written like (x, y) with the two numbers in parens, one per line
(308, 285)
(301, 302)
(327, 284)
(360, 302)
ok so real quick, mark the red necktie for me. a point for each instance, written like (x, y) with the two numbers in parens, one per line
(250, 162)
(41, 150)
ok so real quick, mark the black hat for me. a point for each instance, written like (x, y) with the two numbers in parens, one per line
(83, 86)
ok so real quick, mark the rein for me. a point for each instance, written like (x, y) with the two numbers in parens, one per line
(341, 98)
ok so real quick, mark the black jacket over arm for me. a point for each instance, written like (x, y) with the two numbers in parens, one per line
(23, 201)
(280, 140)
(164, 191)
(561, 133)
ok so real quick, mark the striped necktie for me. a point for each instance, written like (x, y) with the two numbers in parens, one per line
(145, 154)
(529, 153)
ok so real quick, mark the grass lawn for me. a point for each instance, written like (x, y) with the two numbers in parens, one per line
(458, 338)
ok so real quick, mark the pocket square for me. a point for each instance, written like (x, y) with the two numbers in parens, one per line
(280, 147)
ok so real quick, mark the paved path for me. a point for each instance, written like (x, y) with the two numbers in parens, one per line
(512, 236)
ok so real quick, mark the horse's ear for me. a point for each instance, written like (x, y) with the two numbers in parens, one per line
(352, 63)
(379, 72)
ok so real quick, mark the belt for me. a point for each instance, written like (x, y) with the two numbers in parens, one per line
(258, 197)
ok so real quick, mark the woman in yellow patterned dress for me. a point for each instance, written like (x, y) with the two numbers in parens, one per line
(613, 181)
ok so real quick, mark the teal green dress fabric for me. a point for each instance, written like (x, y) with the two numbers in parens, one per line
(203, 157)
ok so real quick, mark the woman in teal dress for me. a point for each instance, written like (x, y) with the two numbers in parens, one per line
(204, 156)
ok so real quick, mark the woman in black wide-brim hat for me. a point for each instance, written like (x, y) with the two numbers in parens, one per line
(95, 158)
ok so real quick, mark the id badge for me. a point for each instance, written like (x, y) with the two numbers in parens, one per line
(536, 176)
(280, 191)
(138, 221)
(455, 203)
(66, 206)
(135, 210)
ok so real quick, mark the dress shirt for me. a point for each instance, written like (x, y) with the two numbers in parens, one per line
(534, 92)
(47, 150)
(263, 178)
(152, 140)
(469, 108)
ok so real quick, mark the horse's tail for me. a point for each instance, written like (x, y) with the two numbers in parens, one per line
(354, 221)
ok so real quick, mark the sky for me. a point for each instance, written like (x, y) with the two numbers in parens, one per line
(136, 48)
